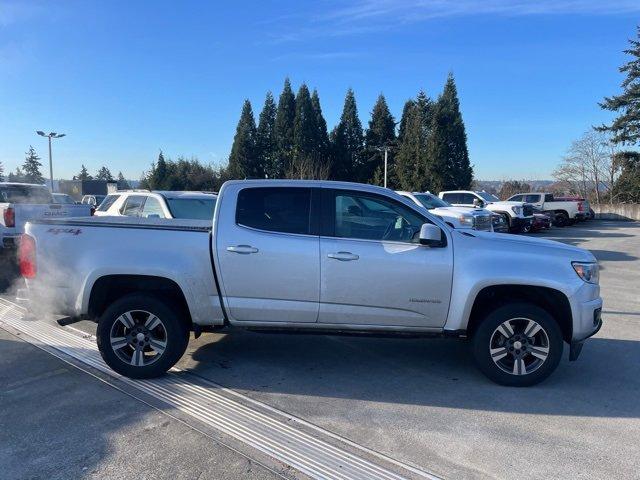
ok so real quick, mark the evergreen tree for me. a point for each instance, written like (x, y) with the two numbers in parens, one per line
(408, 105)
(448, 165)
(266, 142)
(1, 172)
(626, 127)
(242, 159)
(104, 174)
(381, 133)
(31, 167)
(160, 173)
(308, 160)
(18, 176)
(411, 165)
(322, 136)
(347, 141)
(83, 175)
(122, 182)
(285, 116)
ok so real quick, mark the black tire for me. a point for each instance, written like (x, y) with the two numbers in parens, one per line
(519, 315)
(528, 228)
(562, 219)
(173, 333)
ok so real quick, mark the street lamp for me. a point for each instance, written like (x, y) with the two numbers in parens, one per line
(50, 136)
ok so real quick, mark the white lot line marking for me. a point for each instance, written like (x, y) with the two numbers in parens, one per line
(294, 447)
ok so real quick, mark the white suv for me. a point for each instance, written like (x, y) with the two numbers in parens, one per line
(456, 217)
(518, 215)
(158, 204)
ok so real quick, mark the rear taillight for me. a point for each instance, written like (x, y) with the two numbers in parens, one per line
(9, 217)
(27, 256)
(580, 207)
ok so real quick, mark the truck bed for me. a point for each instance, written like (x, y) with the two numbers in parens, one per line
(132, 222)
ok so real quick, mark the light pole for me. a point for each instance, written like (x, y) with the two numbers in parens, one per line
(385, 149)
(50, 136)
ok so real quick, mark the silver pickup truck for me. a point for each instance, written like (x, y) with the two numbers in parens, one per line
(21, 202)
(313, 256)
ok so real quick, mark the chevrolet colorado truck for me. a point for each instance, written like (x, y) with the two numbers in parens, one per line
(295, 255)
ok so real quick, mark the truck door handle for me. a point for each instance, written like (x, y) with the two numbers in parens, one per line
(343, 256)
(242, 249)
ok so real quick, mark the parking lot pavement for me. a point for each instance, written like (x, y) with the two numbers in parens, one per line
(422, 401)
(57, 422)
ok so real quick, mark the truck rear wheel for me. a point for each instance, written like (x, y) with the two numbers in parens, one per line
(562, 219)
(140, 336)
(518, 345)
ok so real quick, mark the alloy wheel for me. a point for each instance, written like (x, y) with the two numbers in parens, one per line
(519, 346)
(138, 338)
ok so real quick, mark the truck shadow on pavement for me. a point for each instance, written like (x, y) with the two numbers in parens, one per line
(429, 372)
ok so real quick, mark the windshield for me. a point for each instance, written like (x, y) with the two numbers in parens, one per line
(25, 194)
(431, 201)
(195, 208)
(488, 197)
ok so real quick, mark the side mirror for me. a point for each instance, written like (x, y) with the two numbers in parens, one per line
(478, 203)
(430, 235)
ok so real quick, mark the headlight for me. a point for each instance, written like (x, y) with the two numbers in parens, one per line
(589, 272)
(465, 221)
(517, 210)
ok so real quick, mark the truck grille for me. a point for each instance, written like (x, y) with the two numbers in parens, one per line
(482, 222)
(527, 210)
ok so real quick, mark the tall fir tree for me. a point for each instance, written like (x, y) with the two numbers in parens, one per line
(406, 110)
(380, 134)
(1, 172)
(321, 125)
(104, 174)
(266, 142)
(347, 141)
(242, 159)
(31, 167)
(285, 116)
(123, 184)
(448, 166)
(83, 174)
(411, 165)
(625, 128)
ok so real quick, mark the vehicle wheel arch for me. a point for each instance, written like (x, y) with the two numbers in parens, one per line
(108, 288)
(555, 302)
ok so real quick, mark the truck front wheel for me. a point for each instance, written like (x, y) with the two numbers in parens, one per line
(141, 336)
(518, 345)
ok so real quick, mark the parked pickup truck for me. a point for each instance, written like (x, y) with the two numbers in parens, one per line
(518, 215)
(565, 212)
(296, 256)
(21, 202)
(456, 217)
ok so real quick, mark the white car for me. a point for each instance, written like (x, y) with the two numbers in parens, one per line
(456, 217)
(313, 256)
(158, 204)
(518, 215)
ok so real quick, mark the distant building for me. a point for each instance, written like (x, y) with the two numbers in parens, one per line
(78, 188)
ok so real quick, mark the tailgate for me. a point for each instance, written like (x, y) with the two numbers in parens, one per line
(29, 212)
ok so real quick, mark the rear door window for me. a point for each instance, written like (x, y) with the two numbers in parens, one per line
(285, 210)
(132, 206)
(108, 201)
(152, 208)
(532, 198)
(451, 197)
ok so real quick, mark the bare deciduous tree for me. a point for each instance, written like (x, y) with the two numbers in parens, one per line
(588, 166)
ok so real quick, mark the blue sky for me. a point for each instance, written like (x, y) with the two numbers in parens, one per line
(125, 79)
